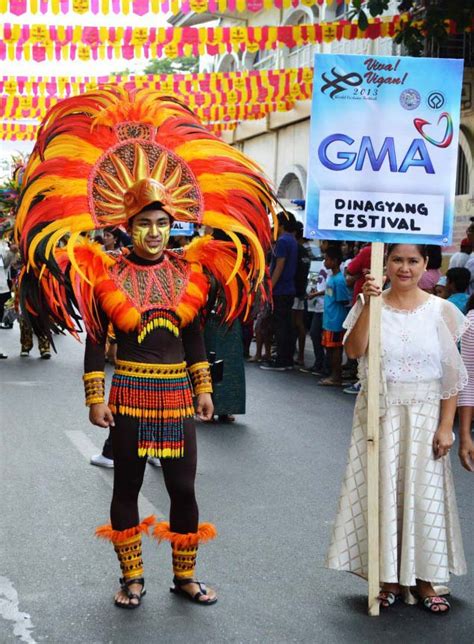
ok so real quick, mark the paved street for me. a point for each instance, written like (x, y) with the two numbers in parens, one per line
(270, 484)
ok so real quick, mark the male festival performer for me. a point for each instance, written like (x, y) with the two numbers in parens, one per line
(142, 160)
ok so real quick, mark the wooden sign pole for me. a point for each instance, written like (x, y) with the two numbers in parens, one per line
(376, 270)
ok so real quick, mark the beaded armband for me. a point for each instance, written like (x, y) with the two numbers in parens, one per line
(200, 374)
(94, 386)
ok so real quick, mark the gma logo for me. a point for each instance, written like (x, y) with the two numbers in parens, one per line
(333, 154)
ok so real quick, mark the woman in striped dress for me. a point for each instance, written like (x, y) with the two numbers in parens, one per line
(466, 396)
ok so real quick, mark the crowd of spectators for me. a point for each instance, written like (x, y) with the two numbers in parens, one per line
(305, 300)
(317, 301)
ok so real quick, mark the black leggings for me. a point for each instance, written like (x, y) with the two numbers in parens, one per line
(129, 469)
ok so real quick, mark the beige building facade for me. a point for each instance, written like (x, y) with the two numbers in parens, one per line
(280, 143)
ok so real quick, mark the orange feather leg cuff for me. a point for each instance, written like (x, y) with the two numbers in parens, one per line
(205, 532)
(118, 536)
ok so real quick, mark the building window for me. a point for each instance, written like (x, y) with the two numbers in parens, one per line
(340, 11)
(454, 46)
(462, 174)
(302, 55)
(290, 187)
(259, 60)
(228, 63)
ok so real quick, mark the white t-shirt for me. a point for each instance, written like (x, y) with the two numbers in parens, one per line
(458, 260)
(316, 305)
(4, 288)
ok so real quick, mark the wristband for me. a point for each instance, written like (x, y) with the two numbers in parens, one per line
(94, 387)
(200, 375)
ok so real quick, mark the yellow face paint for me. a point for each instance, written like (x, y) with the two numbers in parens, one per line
(161, 235)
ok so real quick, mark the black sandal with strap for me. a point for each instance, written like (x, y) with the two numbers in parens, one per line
(196, 598)
(125, 587)
(387, 598)
(436, 604)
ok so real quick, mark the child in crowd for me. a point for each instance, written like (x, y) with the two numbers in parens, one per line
(299, 305)
(316, 292)
(440, 288)
(430, 277)
(457, 283)
(335, 302)
(263, 334)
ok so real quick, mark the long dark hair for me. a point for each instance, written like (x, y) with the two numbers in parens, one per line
(435, 257)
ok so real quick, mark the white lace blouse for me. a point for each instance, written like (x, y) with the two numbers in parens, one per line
(419, 346)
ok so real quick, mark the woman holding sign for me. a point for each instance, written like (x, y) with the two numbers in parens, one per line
(421, 374)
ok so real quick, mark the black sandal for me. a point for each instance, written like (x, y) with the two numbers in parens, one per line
(387, 598)
(433, 604)
(178, 590)
(124, 586)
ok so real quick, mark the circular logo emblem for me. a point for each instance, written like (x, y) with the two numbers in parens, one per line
(410, 99)
(436, 100)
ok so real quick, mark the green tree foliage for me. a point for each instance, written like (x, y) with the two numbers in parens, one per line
(182, 65)
(431, 14)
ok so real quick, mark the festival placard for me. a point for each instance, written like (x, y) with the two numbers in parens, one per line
(182, 228)
(383, 149)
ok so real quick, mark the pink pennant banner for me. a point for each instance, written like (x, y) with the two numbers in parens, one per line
(144, 7)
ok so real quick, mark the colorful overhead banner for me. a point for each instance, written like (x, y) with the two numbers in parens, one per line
(41, 42)
(209, 110)
(17, 132)
(219, 98)
(143, 7)
(383, 148)
(22, 132)
(255, 85)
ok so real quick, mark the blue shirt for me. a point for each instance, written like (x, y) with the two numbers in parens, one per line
(286, 247)
(335, 300)
(459, 300)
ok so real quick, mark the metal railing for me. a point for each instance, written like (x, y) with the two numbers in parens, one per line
(267, 62)
(300, 57)
(457, 46)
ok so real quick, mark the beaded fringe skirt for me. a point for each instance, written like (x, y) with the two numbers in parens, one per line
(160, 397)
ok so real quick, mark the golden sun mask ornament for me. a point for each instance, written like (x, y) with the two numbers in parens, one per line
(138, 173)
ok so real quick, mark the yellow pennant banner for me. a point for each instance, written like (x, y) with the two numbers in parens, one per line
(221, 100)
(231, 87)
(214, 108)
(21, 132)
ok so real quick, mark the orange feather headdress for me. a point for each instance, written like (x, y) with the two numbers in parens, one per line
(103, 156)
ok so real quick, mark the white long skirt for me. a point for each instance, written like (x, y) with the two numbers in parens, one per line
(420, 536)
